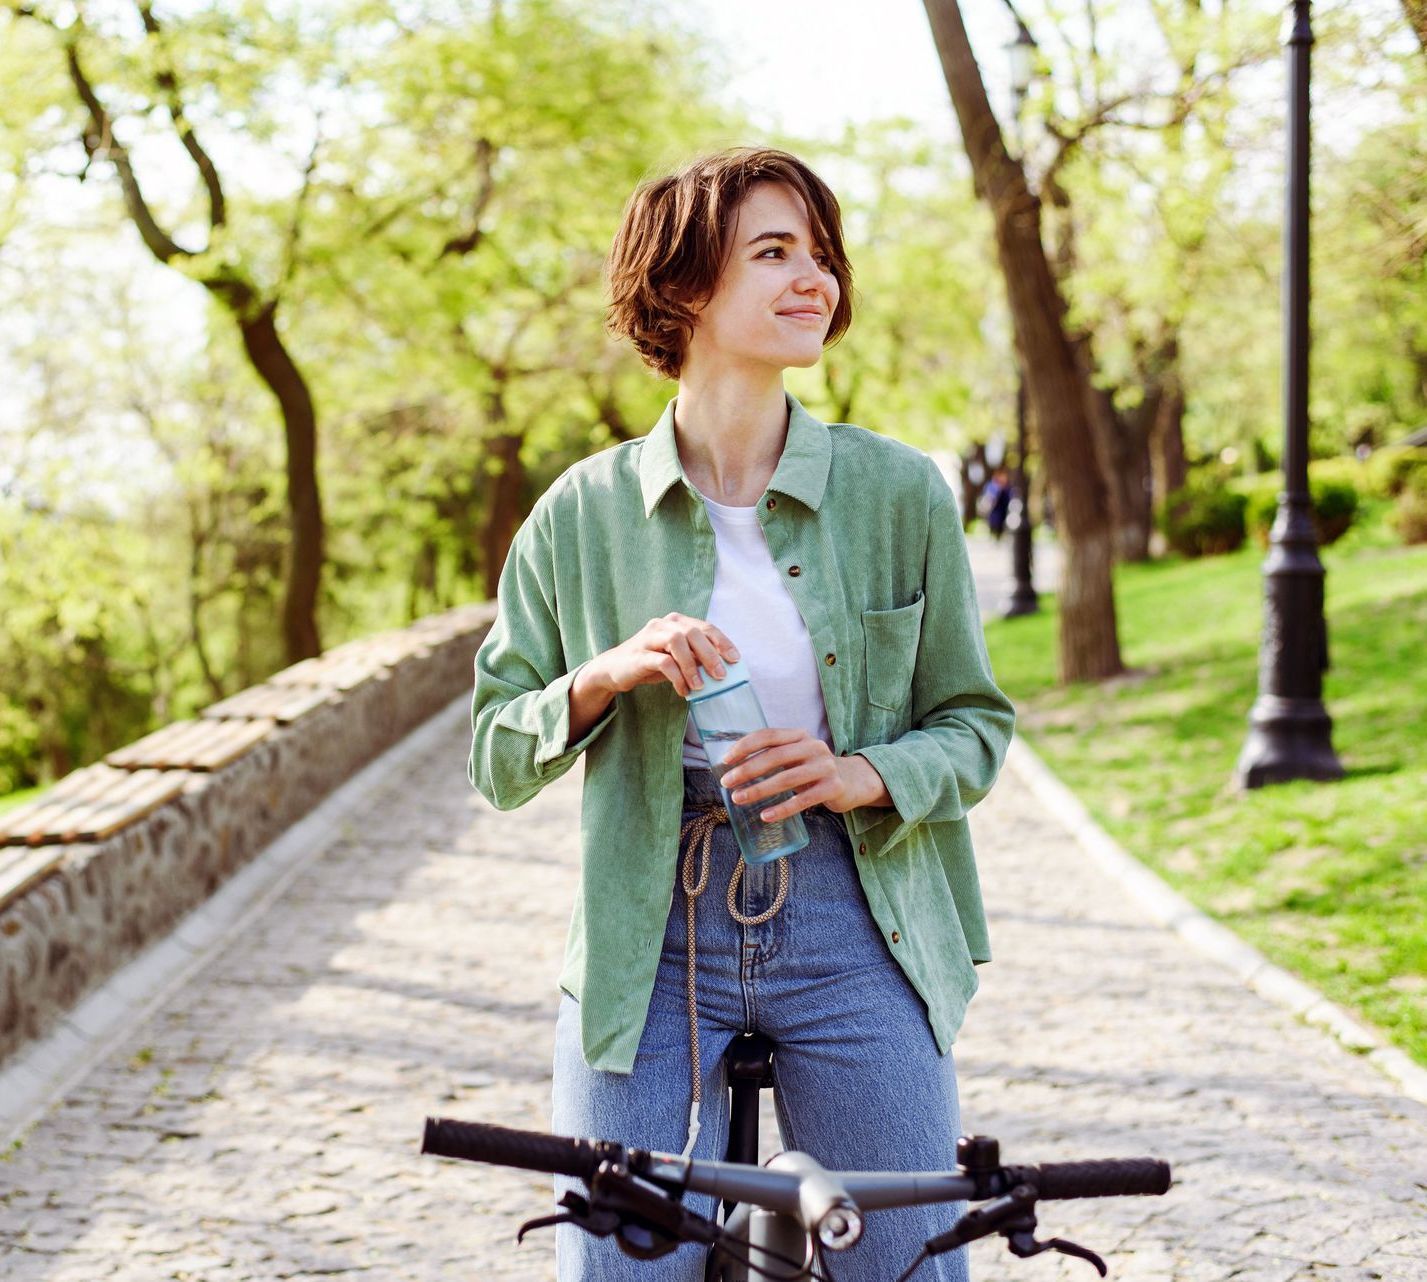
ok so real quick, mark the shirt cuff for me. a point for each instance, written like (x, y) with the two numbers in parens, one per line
(549, 720)
(908, 806)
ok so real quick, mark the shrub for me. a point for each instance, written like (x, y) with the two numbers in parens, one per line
(1335, 504)
(1203, 519)
(1390, 470)
(1344, 469)
(1410, 514)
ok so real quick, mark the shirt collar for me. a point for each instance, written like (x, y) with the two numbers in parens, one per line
(801, 472)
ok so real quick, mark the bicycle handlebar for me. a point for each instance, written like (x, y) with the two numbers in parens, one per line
(505, 1146)
(1103, 1177)
(781, 1190)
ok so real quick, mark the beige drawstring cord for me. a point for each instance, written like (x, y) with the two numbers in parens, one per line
(699, 830)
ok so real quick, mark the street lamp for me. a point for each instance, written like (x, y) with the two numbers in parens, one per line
(1023, 598)
(1290, 731)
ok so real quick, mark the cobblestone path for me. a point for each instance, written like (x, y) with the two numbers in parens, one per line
(264, 1123)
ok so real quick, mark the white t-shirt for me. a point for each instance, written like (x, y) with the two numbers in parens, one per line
(752, 607)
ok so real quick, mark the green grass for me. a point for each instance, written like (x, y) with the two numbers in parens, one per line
(1327, 880)
(12, 799)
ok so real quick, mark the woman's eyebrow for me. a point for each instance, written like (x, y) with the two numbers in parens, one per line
(785, 236)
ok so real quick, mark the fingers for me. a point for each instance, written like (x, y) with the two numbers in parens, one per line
(809, 781)
(761, 740)
(721, 640)
(696, 647)
(800, 760)
(669, 668)
(705, 651)
(682, 652)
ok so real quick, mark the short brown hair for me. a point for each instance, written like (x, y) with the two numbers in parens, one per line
(673, 238)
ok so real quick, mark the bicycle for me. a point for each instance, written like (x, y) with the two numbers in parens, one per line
(790, 1212)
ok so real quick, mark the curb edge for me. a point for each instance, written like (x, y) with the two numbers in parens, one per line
(1208, 937)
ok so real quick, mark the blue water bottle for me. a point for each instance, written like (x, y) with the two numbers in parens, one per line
(725, 709)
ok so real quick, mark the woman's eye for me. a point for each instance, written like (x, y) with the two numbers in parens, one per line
(823, 260)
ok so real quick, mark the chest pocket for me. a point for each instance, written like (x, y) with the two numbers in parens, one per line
(891, 637)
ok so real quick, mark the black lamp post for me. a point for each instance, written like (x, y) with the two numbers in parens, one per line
(1290, 732)
(1023, 599)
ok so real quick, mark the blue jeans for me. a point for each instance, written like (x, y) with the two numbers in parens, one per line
(859, 1083)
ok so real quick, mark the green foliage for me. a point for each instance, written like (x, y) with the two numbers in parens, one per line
(77, 662)
(1205, 518)
(430, 189)
(1409, 516)
(1333, 492)
(917, 362)
(1390, 470)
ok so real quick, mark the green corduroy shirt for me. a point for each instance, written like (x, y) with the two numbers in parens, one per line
(869, 535)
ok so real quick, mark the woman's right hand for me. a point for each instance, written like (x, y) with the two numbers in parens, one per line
(671, 648)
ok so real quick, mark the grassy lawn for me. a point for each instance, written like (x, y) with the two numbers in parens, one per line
(12, 799)
(1327, 880)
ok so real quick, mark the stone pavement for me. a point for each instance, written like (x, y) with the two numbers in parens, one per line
(995, 577)
(264, 1122)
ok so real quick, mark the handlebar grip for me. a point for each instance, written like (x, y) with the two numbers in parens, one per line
(504, 1146)
(1105, 1177)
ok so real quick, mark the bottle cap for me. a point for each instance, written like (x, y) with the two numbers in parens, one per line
(735, 674)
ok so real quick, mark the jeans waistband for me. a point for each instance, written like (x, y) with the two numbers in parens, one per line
(700, 787)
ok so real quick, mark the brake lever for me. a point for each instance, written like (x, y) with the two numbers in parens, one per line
(599, 1222)
(1024, 1245)
(617, 1199)
(1014, 1218)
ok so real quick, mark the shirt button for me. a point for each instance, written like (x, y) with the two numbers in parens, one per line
(772, 503)
(830, 660)
(896, 937)
(795, 570)
(861, 847)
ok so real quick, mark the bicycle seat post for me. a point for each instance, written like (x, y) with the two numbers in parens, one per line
(749, 1060)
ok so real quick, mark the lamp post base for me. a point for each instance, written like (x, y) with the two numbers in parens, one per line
(1288, 739)
(1021, 601)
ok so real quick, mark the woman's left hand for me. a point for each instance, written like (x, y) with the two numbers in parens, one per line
(793, 760)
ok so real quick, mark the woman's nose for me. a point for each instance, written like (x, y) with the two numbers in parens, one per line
(811, 277)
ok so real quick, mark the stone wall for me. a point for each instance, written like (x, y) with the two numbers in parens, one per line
(72, 911)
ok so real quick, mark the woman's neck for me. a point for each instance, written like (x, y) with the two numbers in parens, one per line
(730, 434)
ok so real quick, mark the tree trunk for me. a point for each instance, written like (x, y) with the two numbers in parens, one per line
(1089, 644)
(1416, 11)
(299, 420)
(1126, 438)
(973, 457)
(504, 515)
(1172, 468)
(505, 511)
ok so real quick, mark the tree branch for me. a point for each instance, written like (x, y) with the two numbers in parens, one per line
(485, 189)
(100, 143)
(294, 230)
(168, 84)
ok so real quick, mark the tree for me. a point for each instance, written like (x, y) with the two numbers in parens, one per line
(466, 237)
(1416, 11)
(1056, 384)
(150, 67)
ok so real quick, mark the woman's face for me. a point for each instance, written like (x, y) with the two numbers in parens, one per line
(774, 301)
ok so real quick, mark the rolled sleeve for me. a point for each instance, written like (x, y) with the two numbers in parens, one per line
(545, 715)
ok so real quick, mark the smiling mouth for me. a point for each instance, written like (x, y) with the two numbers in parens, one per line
(813, 316)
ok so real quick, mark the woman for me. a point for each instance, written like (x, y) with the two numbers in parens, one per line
(831, 559)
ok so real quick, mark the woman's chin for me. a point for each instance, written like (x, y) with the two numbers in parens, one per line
(805, 358)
